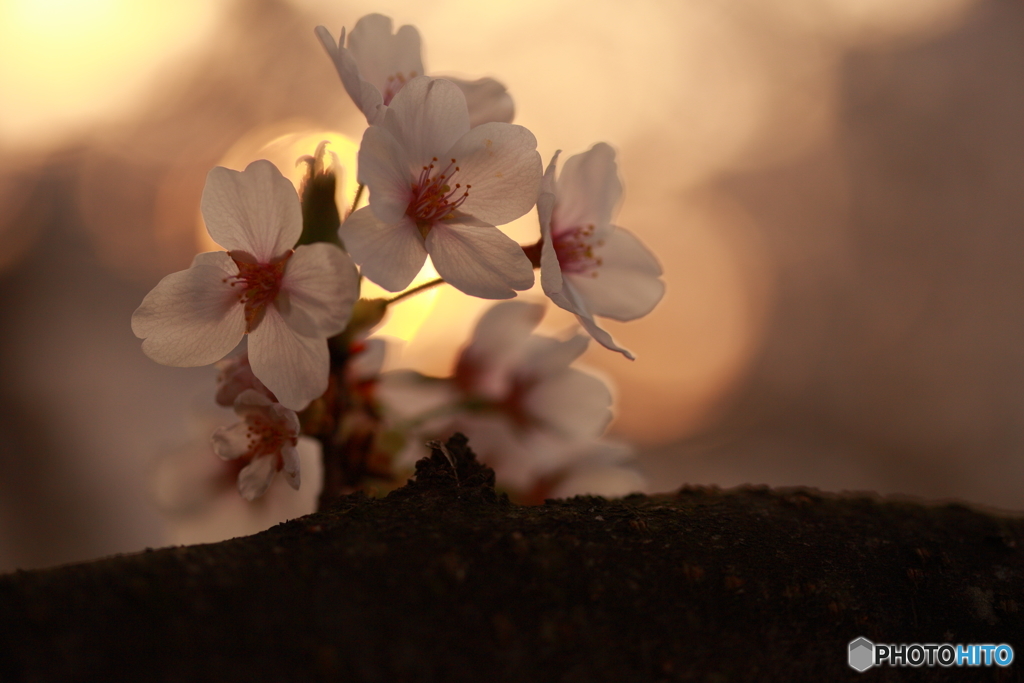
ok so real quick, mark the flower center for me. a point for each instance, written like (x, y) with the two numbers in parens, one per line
(267, 437)
(575, 250)
(394, 83)
(259, 284)
(434, 198)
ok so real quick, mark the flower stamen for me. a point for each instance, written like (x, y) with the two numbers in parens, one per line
(260, 284)
(267, 437)
(434, 197)
(575, 250)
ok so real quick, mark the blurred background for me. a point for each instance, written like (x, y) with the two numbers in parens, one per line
(835, 189)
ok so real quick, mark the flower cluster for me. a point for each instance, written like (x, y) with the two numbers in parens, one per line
(279, 308)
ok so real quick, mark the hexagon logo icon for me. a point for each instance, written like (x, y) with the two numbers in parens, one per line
(862, 654)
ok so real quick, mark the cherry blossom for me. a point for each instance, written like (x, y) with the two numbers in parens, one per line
(287, 301)
(235, 376)
(589, 266)
(526, 412)
(438, 187)
(376, 63)
(266, 439)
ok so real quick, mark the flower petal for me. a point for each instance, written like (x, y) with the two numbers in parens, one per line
(232, 441)
(218, 259)
(550, 269)
(487, 100)
(574, 404)
(318, 289)
(626, 285)
(191, 317)
(255, 478)
(602, 337)
(588, 190)
(256, 211)
(480, 261)
(427, 117)
(380, 54)
(390, 254)
(290, 470)
(504, 327)
(501, 162)
(384, 168)
(292, 366)
(365, 95)
(545, 356)
(499, 342)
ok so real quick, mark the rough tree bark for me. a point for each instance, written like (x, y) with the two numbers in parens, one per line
(444, 580)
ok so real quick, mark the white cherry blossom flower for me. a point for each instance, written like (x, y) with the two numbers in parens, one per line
(266, 438)
(589, 266)
(287, 301)
(376, 63)
(526, 412)
(438, 187)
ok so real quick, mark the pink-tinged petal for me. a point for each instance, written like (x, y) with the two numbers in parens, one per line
(253, 401)
(501, 163)
(602, 337)
(545, 356)
(232, 441)
(588, 190)
(318, 289)
(256, 211)
(384, 168)
(573, 404)
(481, 261)
(290, 469)
(365, 95)
(427, 117)
(487, 100)
(408, 395)
(506, 325)
(235, 377)
(292, 366)
(282, 416)
(550, 269)
(381, 55)
(192, 317)
(626, 285)
(390, 254)
(255, 478)
(217, 259)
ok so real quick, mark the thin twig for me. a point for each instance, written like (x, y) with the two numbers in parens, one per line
(416, 290)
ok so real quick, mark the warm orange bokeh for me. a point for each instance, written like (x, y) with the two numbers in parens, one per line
(772, 159)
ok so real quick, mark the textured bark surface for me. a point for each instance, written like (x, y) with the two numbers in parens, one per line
(444, 580)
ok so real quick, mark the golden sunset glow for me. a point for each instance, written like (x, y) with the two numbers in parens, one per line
(64, 63)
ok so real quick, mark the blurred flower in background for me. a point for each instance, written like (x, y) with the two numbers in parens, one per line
(832, 187)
